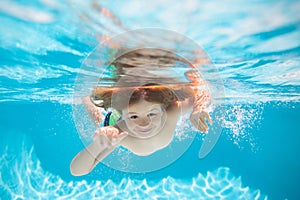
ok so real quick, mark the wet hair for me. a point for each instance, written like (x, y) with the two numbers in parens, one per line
(133, 88)
(153, 93)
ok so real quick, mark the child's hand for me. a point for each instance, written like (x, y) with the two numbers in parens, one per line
(198, 119)
(109, 135)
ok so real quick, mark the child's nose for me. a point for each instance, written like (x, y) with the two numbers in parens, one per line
(144, 121)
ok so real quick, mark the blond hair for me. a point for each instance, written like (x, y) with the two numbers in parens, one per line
(164, 93)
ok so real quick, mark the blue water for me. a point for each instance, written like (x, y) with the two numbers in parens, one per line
(254, 45)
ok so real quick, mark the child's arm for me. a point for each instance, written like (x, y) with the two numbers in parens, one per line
(106, 139)
(201, 99)
(92, 110)
(199, 114)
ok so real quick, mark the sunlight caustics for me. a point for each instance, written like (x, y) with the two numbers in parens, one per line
(22, 176)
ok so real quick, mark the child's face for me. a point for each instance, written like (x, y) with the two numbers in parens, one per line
(144, 119)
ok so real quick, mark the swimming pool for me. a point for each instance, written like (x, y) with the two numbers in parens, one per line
(254, 45)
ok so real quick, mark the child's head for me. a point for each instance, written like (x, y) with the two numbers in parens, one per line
(145, 114)
(144, 110)
(144, 119)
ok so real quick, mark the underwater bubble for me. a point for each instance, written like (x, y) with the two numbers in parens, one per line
(240, 122)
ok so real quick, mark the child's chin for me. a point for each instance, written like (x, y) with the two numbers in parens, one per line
(148, 134)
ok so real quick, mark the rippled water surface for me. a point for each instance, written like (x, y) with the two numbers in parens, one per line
(254, 46)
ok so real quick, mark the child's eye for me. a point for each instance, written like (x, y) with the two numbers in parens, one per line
(152, 114)
(133, 117)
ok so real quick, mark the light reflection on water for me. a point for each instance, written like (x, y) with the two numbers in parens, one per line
(257, 57)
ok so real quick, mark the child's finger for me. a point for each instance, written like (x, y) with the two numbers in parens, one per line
(200, 125)
(97, 133)
(203, 126)
(123, 135)
(116, 140)
(208, 117)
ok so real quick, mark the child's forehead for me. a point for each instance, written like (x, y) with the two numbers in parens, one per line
(143, 106)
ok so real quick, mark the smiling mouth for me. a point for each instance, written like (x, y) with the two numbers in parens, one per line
(144, 131)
